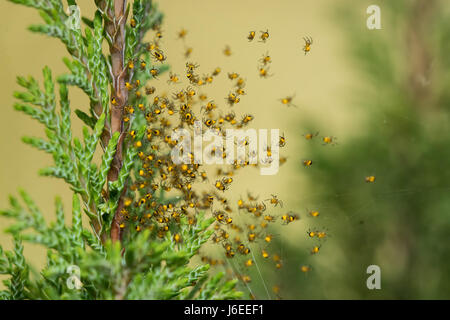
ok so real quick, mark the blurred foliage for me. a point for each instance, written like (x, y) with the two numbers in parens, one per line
(401, 221)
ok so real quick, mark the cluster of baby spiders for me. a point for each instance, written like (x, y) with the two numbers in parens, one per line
(158, 174)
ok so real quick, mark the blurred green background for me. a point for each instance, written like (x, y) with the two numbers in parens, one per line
(382, 93)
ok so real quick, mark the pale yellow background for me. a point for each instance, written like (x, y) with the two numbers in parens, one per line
(320, 80)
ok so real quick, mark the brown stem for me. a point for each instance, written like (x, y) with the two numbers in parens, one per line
(116, 230)
(115, 28)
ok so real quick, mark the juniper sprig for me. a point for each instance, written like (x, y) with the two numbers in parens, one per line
(100, 262)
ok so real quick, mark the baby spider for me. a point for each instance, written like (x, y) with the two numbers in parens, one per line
(289, 217)
(251, 236)
(269, 218)
(240, 91)
(240, 83)
(315, 249)
(278, 262)
(249, 263)
(182, 33)
(305, 268)
(191, 66)
(282, 141)
(209, 122)
(216, 71)
(150, 90)
(246, 118)
(232, 75)
(263, 72)
(242, 142)
(308, 43)
(265, 59)
(158, 55)
(275, 201)
(152, 46)
(370, 179)
(187, 52)
(251, 35)
(190, 92)
(210, 106)
(307, 163)
(309, 136)
(177, 238)
(227, 51)
(261, 207)
(128, 85)
(154, 72)
(143, 64)
(264, 35)
(173, 78)
(158, 34)
(220, 185)
(314, 213)
(208, 78)
(287, 101)
(268, 238)
(322, 234)
(329, 140)
(312, 233)
(222, 217)
(232, 99)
